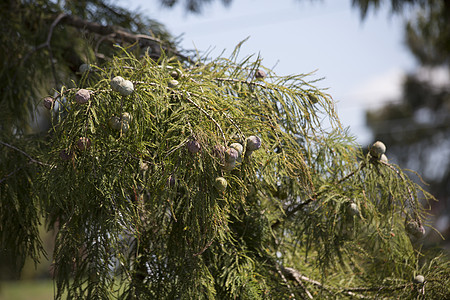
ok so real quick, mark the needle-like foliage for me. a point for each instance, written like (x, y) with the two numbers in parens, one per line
(168, 177)
(151, 203)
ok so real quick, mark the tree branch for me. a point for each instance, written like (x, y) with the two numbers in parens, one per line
(361, 166)
(204, 248)
(243, 81)
(376, 288)
(411, 196)
(11, 174)
(113, 32)
(306, 202)
(292, 212)
(26, 154)
(295, 275)
(107, 30)
(292, 296)
(46, 44)
(206, 113)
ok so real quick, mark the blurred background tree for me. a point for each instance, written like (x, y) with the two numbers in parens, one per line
(417, 126)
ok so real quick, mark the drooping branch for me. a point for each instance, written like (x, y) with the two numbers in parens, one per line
(106, 31)
(410, 193)
(377, 288)
(298, 207)
(361, 166)
(250, 83)
(113, 32)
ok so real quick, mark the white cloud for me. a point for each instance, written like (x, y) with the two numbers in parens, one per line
(379, 89)
(439, 76)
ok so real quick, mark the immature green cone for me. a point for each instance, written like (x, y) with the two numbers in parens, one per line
(114, 123)
(124, 126)
(377, 149)
(231, 155)
(122, 86)
(173, 83)
(221, 184)
(84, 68)
(253, 143)
(193, 146)
(260, 75)
(353, 209)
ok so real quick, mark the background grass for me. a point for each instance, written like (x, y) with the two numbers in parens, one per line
(26, 290)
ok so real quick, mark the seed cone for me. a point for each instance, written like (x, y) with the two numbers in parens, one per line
(378, 148)
(82, 96)
(221, 184)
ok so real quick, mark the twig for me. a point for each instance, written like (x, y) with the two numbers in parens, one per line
(47, 41)
(11, 174)
(376, 288)
(204, 248)
(26, 154)
(306, 202)
(294, 274)
(243, 81)
(234, 124)
(107, 30)
(293, 211)
(46, 44)
(411, 196)
(285, 281)
(99, 42)
(360, 167)
(113, 32)
(206, 113)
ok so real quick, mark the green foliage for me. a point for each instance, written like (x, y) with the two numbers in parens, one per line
(42, 47)
(139, 214)
(19, 212)
(129, 180)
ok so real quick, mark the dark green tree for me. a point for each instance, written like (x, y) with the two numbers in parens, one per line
(42, 46)
(194, 6)
(168, 177)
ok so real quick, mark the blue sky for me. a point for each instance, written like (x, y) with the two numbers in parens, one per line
(362, 62)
